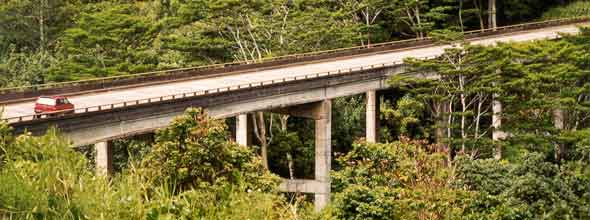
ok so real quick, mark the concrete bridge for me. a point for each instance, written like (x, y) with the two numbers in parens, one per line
(299, 85)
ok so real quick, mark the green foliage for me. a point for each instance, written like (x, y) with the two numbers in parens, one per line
(108, 39)
(288, 147)
(348, 122)
(44, 178)
(403, 119)
(194, 140)
(368, 165)
(24, 69)
(361, 202)
(574, 9)
(34, 25)
(533, 189)
(401, 180)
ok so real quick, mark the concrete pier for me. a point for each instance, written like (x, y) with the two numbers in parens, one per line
(323, 151)
(321, 113)
(372, 110)
(242, 130)
(104, 158)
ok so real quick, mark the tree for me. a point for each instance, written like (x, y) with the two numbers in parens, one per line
(463, 85)
(366, 12)
(194, 153)
(34, 24)
(108, 40)
(547, 96)
(24, 69)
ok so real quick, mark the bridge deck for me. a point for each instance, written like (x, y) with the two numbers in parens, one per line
(130, 94)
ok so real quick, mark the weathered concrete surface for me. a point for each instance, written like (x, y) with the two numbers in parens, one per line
(110, 131)
(323, 152)
(303, 186)
(104, 158)
(321, 113)
(242, 130)
(372, 119)
(294, 99)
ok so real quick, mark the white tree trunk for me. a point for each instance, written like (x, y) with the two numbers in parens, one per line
(492, 14)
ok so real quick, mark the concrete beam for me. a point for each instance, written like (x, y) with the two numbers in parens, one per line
(104, 158)
(372, 119)
(303, 186)
(116, 130)
(296, 99)
(308, 110)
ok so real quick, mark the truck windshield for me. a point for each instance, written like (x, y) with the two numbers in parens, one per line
(46, 101)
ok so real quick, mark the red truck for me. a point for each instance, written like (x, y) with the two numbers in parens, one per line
(53, 106)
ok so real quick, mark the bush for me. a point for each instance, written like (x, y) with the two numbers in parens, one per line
(194, 153)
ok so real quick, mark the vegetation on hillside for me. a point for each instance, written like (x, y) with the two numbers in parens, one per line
(437, 159)
(575, 9)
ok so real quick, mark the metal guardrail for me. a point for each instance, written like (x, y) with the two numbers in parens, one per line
(171, 74)
(206, 92)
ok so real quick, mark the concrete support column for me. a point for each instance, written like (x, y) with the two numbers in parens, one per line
(242, 130)
(372, 110)
(104, 158)
(323, 151)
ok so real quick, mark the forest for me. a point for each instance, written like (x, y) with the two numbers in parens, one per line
(440, 154)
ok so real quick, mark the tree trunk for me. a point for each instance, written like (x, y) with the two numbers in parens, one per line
(492, 14)
(290, 162)
(463, 112)
(558, 122)
(478, 6)
(461, 15)
(260, 132)
(42, 24)
(419, 22)
(439, 115)
(497, 133)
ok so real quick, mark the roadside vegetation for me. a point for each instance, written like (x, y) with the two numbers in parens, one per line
(436, 159)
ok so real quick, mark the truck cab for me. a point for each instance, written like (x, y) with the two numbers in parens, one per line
(53, 106)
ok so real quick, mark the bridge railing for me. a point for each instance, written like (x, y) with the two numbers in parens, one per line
(132, 80)
(121, 105)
